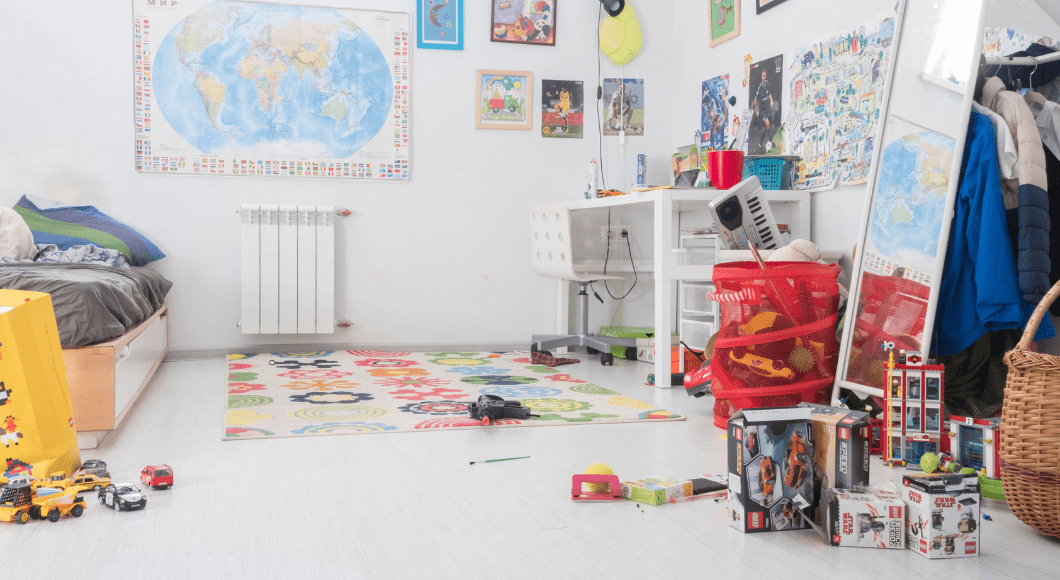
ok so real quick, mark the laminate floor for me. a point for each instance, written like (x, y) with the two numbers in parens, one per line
(409, 505)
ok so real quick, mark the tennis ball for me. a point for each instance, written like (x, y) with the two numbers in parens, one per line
(598, 469)
(929, 462)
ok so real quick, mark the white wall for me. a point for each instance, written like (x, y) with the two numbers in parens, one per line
(837, 212)
(442, 259)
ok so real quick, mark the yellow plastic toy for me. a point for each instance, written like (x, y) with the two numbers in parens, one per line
(598, 469)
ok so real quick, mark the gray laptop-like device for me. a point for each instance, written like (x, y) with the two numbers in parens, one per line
(744, 218)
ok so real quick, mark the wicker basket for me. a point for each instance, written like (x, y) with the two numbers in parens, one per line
(1030, 430)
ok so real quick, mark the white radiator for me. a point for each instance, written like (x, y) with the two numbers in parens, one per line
(287, 269)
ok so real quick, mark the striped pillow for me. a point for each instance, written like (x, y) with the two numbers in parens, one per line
(69, 226)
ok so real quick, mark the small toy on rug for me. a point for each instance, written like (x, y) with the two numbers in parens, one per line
(491, 408)
(543, 357)
(157, 476)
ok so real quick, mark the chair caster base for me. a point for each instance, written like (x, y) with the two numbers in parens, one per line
(607, 359)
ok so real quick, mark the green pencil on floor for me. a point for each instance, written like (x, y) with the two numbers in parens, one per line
(504, 459)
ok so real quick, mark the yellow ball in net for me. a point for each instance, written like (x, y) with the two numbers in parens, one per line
(598, 469)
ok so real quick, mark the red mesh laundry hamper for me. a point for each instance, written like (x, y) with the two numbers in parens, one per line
(776, 343)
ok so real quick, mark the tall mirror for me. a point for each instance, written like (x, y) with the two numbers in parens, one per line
(905, 227)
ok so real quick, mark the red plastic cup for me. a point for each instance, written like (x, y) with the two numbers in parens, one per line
(725, 168)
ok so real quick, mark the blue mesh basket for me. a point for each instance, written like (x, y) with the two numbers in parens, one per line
(773, 172)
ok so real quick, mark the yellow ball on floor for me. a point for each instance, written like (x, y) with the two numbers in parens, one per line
(598, 469)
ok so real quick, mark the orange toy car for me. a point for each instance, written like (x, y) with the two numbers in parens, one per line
(767, 477)
(797, 461)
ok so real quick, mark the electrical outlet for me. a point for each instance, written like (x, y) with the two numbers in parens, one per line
(616, 232)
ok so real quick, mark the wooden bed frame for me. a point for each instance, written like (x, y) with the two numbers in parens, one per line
(106, 379)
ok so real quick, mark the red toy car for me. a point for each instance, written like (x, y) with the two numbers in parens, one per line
(767, 477)
(157, 476)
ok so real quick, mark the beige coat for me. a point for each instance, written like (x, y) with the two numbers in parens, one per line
(1013, 108)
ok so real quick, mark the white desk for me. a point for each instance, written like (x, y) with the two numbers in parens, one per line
(666, 206)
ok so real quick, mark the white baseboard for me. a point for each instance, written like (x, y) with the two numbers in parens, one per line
(185, 354)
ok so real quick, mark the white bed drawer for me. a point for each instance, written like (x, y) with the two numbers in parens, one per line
(134, 365)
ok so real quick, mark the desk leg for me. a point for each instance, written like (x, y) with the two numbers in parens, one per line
(663, 286)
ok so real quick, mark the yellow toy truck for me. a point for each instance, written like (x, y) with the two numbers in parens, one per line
(22, 501)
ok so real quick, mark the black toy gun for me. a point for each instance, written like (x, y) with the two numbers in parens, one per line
(491, 408)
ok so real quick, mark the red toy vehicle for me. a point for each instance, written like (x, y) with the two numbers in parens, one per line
(157, 476)
(797, 460)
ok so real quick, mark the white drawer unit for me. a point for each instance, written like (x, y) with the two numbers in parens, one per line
(696, 333)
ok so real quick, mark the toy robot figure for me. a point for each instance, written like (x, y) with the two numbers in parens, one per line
(967, 524)
(936, 519)
(950, 543)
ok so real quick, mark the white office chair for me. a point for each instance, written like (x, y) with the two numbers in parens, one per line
(550, 245)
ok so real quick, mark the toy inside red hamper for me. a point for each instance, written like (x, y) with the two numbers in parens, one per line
(776, 344)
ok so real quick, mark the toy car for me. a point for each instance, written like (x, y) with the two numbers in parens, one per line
(752, 443)
(88, 481)
(797, 461)
(767, 477)
(157, 476)
(95, 467)
(122, 496)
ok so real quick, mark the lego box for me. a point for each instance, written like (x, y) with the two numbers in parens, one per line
(869, 519)
(771, 462)
(943, 514)
(656, 490)
(841, 444)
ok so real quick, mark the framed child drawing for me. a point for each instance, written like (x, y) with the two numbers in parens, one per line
(502, 99)
(724, 20)
(524, 21)
(440, 24)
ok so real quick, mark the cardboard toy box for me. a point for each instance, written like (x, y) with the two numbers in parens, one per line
(841, 443)
(656, 490)
(943, 514)
(771, 462)
(870, 519)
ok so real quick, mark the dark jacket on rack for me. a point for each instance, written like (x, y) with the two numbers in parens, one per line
(1030, 195)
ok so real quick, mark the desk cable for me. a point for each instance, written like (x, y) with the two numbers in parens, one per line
(607, 257)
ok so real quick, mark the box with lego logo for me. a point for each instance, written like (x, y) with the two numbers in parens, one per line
(841, 446)
(942, 519)
(771, 462)
(864, 519)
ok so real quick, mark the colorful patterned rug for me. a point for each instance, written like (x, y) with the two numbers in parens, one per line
(293, 394)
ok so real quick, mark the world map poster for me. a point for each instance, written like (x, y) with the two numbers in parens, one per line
(835, 88)
(271, 90)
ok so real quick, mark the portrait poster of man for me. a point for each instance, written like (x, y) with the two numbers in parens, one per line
(765, 100)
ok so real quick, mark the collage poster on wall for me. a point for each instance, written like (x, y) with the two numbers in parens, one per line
(714, 115)
(246, 88)
(562, 108)
(624, 102)
(765, 87)
(524, 22)
(835, 87)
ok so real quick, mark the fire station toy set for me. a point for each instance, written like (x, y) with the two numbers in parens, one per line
(913, 415)
(973, 443)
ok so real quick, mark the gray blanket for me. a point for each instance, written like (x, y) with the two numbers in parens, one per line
(92, 303)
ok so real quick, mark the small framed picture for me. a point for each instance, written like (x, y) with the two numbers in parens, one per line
(763, 5)
(503, 99)
(440, 24)
(524, 21)
(724, 20)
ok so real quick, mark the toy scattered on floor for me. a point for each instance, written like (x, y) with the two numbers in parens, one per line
(95, 467)
(598, 469)
(20, 502)
(502, 459)
(697, 384)
(157, 476)
(610, 488)
(491, 408)
(867, 518)
(974, 444)
(122, 496)
(656, 490)
(79, 481)
(942, 462)
(942, 514)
